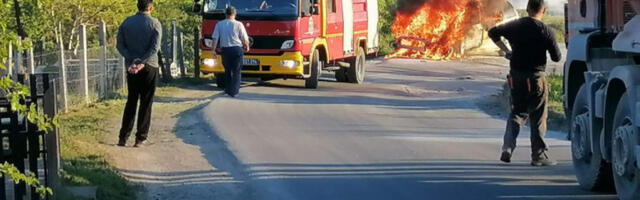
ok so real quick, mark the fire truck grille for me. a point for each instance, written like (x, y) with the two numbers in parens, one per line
(269, 42)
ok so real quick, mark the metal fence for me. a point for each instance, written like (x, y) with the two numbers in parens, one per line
(84, 75)
(25, 145)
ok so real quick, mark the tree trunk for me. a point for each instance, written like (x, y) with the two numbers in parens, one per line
(18, 14)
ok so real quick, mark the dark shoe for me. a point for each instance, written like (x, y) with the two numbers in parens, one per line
(543, 160)
(506, 156)
(122, 142)
(141, 143)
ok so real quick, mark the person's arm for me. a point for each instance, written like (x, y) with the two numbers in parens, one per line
(214, 37)
(122, 45)
(156, 41)
(245, 38)
(496, 34)
(552, 46)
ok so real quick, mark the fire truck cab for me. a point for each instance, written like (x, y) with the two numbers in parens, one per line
(297, 38)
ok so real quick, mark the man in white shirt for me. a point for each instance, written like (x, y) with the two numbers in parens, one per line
(233, 38)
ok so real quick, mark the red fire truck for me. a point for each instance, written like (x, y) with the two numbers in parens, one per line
(297, 38)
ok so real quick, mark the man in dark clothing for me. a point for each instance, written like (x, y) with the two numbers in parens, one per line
(139, 39)
(530, 40)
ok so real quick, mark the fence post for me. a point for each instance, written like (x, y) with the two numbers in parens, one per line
(183, 69)
(52, 140)
(102, 33)
(84, 65)
(174, 46)
(17, 60)
(9, 64)
(31, 61)
(123, 72)
(196, 52)
(63, 74)
(163, 58)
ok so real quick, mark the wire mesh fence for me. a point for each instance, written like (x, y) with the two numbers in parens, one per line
(104, 75)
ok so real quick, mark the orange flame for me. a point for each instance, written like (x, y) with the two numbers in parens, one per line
(435, 30)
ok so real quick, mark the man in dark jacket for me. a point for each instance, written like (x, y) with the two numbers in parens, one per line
(139, 39)
(530, 40)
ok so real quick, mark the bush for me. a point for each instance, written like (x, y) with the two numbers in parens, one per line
(387, 13)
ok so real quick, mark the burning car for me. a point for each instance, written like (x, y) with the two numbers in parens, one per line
(445, 29)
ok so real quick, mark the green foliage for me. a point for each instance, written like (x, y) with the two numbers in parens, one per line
(387, 12)
(557, 119)
(16, 93)
(555, 88)
(17, 177)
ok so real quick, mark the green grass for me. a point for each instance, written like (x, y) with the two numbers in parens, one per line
(83, 128)
(83, 163)
(557, 119)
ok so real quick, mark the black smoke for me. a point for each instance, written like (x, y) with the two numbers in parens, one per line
(409, 6)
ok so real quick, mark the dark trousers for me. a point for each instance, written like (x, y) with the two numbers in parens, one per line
(232, 62)
(142, 86)
(529, 93)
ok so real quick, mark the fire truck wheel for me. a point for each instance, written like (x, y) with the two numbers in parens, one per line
(341, 75)
(219, 80)
(626, 174)
(316, 67)
(592, 172)
(355, 73)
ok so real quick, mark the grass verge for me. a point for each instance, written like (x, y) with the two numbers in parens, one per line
(84, 128)
(84, 163)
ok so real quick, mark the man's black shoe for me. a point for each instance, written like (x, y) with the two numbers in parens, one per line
(506, 156)
(122, 142)
(543, 160)
(141, 143)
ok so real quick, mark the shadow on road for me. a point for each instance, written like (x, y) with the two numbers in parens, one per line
(435, 179)
(413, 104)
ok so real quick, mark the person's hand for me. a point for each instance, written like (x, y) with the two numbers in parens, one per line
(214, 54)
(131, 69)
(246, 48)
(134, 69)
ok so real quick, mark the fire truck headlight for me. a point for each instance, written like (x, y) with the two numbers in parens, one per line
(287, 44)
(289, 63)
(209, 62)
(208, 43)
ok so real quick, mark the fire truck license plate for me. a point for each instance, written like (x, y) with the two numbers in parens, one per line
(250, 62)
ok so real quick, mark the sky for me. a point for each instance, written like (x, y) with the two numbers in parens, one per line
(555, 6)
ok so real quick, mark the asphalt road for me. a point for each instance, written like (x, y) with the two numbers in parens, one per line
(412, 131)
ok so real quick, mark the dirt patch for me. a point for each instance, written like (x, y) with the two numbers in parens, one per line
(171, 166)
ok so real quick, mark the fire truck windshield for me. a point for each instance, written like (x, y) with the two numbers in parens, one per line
(248, 9)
